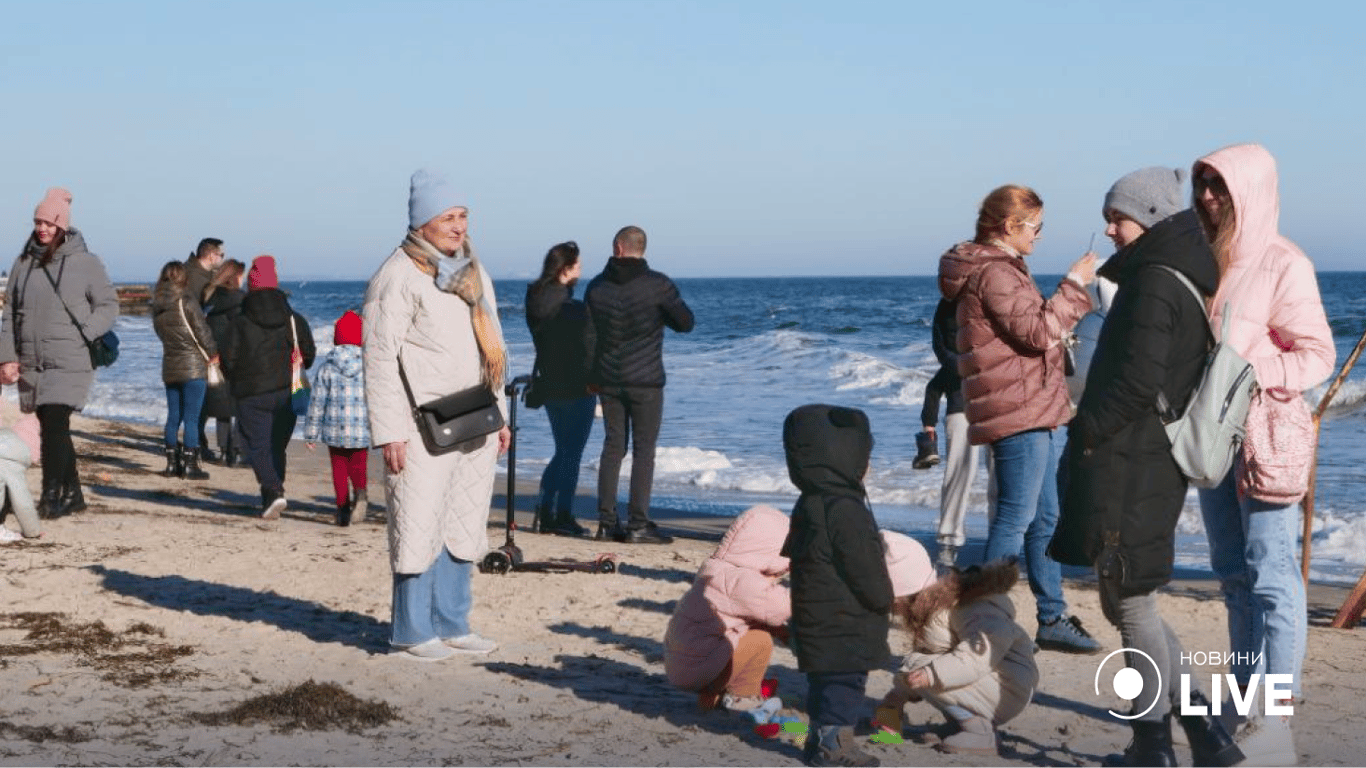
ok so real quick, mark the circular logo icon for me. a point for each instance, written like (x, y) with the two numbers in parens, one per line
(1127, 682)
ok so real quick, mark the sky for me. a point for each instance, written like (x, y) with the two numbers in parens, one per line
(747, 139)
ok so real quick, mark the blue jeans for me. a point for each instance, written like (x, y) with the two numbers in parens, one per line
(184, 401)
(434, 603)
(1027, 512)
(571, 421)
(1252, 551)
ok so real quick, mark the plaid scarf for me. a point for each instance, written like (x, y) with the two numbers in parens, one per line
(461, 275)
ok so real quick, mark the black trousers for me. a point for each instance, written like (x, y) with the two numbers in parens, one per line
(639, 410)
(834, 698)
(267, 422)
(58, 453)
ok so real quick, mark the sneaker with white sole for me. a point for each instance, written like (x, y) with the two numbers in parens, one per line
(470, 643)
(432, 650)
(275, 503)
(7, 536)
(1268, 740)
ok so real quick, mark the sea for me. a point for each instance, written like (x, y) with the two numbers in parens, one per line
(763, 346)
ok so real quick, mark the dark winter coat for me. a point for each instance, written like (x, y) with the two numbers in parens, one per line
(564, 341)
(841, 593)
(256, 355)
(184, 333)
(1122, 491)
(944, 341)
(630, 304)
(37, 332)
(223, 305)
(197, 278)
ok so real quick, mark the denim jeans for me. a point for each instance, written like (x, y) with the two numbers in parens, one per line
(835, 698)
(184, 401)
(434, 603)
(1252, 552)
(1142, 628)
(571, 421)
(1027, 512)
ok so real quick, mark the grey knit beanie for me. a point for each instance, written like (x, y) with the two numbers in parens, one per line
(1148, 196)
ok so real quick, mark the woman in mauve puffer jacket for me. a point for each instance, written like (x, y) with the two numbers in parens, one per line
(1010, 356)
(720, 638)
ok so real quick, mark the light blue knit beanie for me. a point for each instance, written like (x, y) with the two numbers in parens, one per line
(430, 195)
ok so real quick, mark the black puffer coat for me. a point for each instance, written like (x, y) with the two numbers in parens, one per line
(223, 305)
(184, 333)
(841, 593)
(1122, 491)
(630, 304)
(256, 355)
(944, 341)
(564, 341)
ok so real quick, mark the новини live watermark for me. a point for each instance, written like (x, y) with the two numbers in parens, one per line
(1128, 684)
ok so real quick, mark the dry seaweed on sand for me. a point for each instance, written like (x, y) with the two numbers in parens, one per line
(131, 658)
(42, 734)
(309, 706)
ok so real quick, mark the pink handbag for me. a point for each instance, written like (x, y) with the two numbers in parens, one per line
(1278, 448)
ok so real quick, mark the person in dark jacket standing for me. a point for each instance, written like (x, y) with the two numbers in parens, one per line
(187, 349)
(1123, 491)
(841, 591)
(564, 351)
(200, 268)
(58, 299)
(630, 304)
(222, 303)
(257, 360)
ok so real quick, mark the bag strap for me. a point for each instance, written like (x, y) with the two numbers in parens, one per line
(1164, 408)
(180, 304)
(69, 313)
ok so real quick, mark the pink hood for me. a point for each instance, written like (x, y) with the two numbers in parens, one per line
(1270, 282)
(736, 588)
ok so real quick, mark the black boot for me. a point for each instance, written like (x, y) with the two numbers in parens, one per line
(566, 525)
(1210, 744)
(545, 521)
(1152, 745)
(50, 499)
(189, 463)
(172, 462)
(70, 499)
(344, 515)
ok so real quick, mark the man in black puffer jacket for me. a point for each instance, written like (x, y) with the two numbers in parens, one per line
(841, 592)
(630, 304)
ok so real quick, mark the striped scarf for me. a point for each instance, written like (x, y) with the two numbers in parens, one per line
(462, 275)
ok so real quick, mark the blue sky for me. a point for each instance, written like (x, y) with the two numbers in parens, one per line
(756, 138)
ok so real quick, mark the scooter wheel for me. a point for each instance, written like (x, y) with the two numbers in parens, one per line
(496, 562)
(607, 566)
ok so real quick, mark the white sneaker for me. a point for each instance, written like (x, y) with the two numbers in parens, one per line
(1268, 741)
(7, 536)
(273, 510)
(432, 650)
(470, 643)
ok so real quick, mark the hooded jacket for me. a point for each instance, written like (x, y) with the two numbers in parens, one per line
(564, 340)
(223, 305)
(1122, 485)
(336, 409)
(841, 591)
(37, 332)
(1269, 280)
(1009, 341)
(630, 304)
(260, 341)
(736, 589)
(978, 656)
(184, 332)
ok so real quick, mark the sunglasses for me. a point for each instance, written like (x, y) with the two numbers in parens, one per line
(1038, 228)
(1212, 181)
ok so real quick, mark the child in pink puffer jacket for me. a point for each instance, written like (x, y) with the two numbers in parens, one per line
(720, 637)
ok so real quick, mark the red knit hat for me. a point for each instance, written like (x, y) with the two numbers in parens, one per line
(348, 329)
(55, 208)
(262, 274)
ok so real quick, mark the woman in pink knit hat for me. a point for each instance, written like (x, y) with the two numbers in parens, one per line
(58, 299)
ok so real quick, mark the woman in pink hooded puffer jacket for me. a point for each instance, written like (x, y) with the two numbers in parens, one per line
(720, 637)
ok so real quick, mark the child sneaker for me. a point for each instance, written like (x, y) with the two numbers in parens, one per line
(432, 650)
(1066, 634)
(1268, 740)
(7, 536)
(470, 643)
(926, 451)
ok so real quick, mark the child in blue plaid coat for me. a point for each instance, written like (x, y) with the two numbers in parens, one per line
(337, 417)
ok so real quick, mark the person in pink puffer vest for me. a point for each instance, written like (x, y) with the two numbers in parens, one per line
(1278, 325)
(720, 637)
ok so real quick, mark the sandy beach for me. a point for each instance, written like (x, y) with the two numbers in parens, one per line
(162, 626)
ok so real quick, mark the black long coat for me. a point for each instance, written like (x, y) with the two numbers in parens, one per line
(1121, 490)
(564, 340)
(841, 593)
(222, 307)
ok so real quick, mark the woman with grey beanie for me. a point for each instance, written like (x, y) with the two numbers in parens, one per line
(1122, 492)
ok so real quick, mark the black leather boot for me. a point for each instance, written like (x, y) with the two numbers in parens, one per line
(344, 515)
(50, 499)
(1210, 744)
(189, 463)
(172, 462)
(70, 499)
(1152, 745)
(566, 525)
(545, 521)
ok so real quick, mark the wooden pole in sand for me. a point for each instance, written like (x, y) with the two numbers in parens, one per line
(1314, 463)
